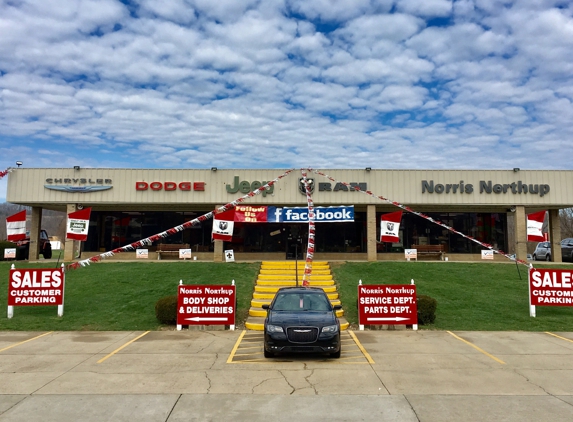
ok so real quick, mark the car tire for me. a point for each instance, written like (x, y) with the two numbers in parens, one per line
(548, 257)
(336, 355)
(534, 257)
(267, 353)
(47, 251)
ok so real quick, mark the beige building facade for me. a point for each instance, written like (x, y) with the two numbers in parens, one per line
(131, 204)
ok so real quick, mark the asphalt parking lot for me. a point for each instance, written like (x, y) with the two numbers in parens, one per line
(221, 375)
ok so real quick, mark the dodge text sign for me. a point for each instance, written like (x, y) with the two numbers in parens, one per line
(387, 304)
(29, 287)
(206, 305)
(549, 287)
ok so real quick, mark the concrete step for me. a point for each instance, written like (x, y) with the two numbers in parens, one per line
(275, 287)
(271, 295)
(258, 303)
(258, 323)
(293, 271)
(292, 264)
(292, 277)
(260, 312)
(291, 283)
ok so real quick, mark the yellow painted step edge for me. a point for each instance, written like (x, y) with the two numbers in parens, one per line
(261, 326)
(313, 283)
(258, 303)
(273, 289)
(271, 295)
(262, 313)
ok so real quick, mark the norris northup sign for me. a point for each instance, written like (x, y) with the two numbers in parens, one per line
(428, 186)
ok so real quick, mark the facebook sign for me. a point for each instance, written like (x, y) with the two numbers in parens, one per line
(341, 214)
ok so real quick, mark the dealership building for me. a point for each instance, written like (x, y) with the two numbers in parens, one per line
(132, 204)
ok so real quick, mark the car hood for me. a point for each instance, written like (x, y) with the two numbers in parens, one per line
(301, 318)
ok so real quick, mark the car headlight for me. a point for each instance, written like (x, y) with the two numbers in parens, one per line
(330, 329)
(274, 329)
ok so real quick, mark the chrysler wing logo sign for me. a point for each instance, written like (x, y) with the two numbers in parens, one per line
(78, 189)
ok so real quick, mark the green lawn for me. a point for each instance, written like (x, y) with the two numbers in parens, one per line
(122, 296)
(471, 296)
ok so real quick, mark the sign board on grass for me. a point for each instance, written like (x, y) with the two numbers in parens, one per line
(206, 305)
(550, 287)
(142, 253)
(10, 253)
(184, 253)
(36, 287)
(410, 254)
(486, 254)
(387, 304)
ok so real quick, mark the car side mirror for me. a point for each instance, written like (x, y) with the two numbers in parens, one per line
(337, 307)
(266, 306)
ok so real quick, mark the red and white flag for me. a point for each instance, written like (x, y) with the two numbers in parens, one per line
(78, 225)
(16, 226)
(223, 224)
(534, 226)
(389, 226)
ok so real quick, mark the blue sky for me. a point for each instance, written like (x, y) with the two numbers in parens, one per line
(436, 84)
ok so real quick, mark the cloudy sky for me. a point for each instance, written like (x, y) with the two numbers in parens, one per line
(435, 84)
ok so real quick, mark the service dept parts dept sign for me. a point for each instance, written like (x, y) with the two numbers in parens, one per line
(387, 304)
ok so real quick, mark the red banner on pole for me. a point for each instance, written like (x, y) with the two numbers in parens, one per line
(78, 225)
(390, 227)
(223, 224)
(16, 226)
(535, 226)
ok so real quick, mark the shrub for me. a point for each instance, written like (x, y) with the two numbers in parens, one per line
(426, 309)
(4, 244)
(166, 310)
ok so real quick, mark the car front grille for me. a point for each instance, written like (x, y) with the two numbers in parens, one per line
(302, 334)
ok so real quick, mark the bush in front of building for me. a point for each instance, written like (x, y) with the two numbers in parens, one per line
(426, 309)
(4, 244)
(166, 310)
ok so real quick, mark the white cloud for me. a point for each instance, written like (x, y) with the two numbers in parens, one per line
(200, 83)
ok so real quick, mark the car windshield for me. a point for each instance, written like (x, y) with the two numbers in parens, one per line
(301, 302)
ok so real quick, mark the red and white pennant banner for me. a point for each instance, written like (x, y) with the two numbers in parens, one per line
(419, 214)
(5, 172)
(311, 232)
(149, 240)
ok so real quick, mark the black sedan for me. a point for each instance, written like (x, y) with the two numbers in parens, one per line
(301, 319)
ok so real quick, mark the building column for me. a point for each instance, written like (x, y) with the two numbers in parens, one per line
(218, 252)
(371, 232)
(510, 232)
(34, 252)
(520, 232)
(555, 235)
(70, 244)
